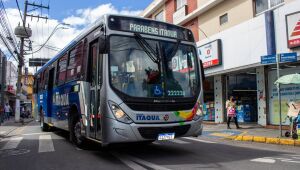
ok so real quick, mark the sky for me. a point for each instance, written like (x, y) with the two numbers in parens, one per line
(78, 13)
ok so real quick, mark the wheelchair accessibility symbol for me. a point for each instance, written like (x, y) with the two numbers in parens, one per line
(157, 90)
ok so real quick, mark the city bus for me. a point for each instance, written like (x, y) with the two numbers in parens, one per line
(124, 79)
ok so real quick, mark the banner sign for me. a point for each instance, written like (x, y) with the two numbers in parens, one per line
(211, 53)
(293, 29)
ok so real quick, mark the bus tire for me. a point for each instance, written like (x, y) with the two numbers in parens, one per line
(75, 132)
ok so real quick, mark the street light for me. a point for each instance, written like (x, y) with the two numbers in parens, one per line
(52, 33)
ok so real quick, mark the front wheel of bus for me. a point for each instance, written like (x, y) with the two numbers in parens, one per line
(75, 134)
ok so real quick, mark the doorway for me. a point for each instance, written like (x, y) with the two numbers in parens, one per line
(95, 70)
(243, 87)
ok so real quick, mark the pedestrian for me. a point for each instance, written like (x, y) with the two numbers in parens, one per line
(231, 112)
(7, 110)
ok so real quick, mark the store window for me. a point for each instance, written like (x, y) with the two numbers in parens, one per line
(289, 93)
(180, 3)
(264, 5)
(160, 16)
(209, 99)
(223, 19)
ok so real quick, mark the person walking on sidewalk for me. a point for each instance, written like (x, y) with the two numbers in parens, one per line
(231, 112)
(7, 110)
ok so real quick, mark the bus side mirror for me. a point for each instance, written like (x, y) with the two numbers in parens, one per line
(202, 70)
(102, 44)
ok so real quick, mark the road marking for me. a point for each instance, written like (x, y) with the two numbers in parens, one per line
(264, 160)
(2, 132)
(40, 133)
(19, 131)
(179, 141)
(45, 144)
(12, 143)
(198, 140)
(146, 163)
(128, 162)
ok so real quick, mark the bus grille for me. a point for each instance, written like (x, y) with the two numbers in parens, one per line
(152, 132)
(160, 106)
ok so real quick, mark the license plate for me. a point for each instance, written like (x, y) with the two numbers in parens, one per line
(166, 136)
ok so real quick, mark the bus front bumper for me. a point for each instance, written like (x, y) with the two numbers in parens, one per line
(118, 132)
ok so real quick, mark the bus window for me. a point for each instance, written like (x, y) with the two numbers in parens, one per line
(75, 62)
(61, 70)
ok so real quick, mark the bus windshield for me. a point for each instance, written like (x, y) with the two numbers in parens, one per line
(153, 68)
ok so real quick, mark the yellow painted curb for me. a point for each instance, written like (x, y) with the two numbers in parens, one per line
(287, 142)
(273, 140)
(231, 137)
(297, 142)
(248, 138)
(259, 139)
(240, 138)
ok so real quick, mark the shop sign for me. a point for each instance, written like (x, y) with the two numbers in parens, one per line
(293, 29)
(211, 53)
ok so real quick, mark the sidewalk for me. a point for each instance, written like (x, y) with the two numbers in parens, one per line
(248, 132)
(8, 126)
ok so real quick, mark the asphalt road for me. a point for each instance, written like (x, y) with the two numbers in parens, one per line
(29, 148)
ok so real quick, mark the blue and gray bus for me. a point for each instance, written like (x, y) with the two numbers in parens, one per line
(124, 79)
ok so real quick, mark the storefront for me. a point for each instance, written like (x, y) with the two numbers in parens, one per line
(242, 86)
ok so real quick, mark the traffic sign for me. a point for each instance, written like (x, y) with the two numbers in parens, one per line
(288, 57)
(268, 59)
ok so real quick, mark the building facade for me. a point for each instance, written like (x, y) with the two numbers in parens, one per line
(232, 36)
(11, 82)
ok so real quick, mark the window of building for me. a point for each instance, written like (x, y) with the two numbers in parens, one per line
(75, 62)
(160, 16)
(180, 3)
(223, 19)
(264, 5)
(61, 70)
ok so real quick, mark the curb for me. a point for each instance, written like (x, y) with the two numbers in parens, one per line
(262, 139)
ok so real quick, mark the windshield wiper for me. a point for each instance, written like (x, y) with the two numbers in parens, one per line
(153, 55)
(174, 51)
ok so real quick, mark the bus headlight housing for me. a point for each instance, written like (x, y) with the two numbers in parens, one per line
(119, 114)
(199, 113)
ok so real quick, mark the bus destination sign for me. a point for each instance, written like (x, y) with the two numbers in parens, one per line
(152, 30)
(150, 27)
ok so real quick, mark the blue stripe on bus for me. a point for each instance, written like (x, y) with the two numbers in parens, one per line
(59, 109)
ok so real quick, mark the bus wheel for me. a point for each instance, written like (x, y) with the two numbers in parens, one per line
(75, 133)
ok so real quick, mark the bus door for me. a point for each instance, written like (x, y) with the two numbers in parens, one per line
(50, 93)
(95, 71)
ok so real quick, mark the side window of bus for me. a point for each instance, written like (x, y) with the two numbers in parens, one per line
(74, 70)
(61, 70)
(41, 82)
(45, 79)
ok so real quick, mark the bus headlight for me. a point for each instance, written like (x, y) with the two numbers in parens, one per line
(119, 114)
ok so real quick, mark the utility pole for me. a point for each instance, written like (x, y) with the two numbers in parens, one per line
(24, 32)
